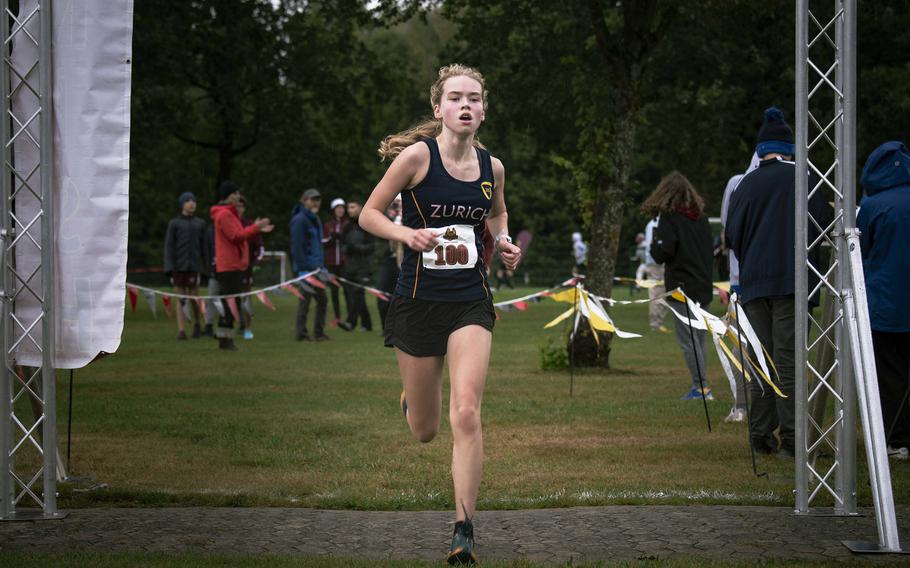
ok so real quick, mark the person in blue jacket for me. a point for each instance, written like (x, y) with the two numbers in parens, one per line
(884, 222)
(306, 256)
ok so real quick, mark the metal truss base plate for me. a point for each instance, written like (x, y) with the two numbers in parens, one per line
(822, 512)
(33, 515)
(866, 547)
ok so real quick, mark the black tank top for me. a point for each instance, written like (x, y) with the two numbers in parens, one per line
(454, 270)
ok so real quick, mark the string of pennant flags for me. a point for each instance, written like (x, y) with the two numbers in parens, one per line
(731, 334)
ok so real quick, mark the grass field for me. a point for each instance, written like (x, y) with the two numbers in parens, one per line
(163, 422)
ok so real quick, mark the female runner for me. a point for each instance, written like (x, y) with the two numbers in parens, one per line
(450, 187)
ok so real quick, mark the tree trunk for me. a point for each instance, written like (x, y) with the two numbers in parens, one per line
(608, 207)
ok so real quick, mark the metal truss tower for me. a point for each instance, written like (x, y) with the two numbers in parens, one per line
(826, 146)
(28, 425)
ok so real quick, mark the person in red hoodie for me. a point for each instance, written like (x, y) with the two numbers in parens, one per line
(232, 253)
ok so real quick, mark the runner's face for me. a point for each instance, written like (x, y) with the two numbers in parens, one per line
(461, 107)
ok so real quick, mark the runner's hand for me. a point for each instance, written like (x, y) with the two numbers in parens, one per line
(264, 224)
(422, 240)
(509, 253)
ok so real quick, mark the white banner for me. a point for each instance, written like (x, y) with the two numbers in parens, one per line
(92, 67)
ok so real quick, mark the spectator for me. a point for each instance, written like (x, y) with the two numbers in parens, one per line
(391, 262)
(358, 250)
(738, 412)
(257, 251)
(884, 224)
(682, 241)
(211, 311)
(761, 233)
(306, 256)
(232, 254)
(654, 271)
(333, 250)
(580, 252)
(185, 258)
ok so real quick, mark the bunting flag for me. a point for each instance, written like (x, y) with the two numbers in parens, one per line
(307, 289)
(150, 298)
(246, 304)
(293, 291)
(265, 300)
(521, 306)
(232, 305)
(187, 306)
(313, 281)
(334, 280)
(166, 300)
(378, 293)
(133, 295)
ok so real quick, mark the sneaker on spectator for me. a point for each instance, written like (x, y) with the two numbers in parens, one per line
(181, 336)
(248, 334)
(662, 329)
(196, 331)
(345, 326)
(736, 415)
(898, 453)
(334, 322)
(695, 394)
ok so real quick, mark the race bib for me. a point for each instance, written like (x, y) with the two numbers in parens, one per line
(455, 249)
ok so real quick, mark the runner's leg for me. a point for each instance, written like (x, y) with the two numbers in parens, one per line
(469, 356)
(421, 378)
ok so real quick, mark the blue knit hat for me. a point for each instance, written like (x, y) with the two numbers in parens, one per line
(775, 136)
(184, 197)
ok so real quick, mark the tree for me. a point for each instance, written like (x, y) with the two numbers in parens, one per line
(595, 56)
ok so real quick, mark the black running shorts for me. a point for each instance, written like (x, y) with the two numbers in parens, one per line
(421, 327)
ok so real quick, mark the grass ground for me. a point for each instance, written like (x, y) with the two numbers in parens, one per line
(163, 422)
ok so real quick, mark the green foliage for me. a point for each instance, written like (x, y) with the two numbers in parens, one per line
(553, 356)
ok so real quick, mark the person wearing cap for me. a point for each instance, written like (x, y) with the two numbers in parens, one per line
(761, 233)
(333, 250)
(307, 256)
(184, 258)
(884, 224)
(232, 254)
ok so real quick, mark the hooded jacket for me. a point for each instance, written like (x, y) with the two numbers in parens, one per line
(306, 240)
(231, 250)
(185, 245)
(884, 222)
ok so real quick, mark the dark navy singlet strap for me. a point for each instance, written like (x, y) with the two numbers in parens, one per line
(435, 156)
(486, 166)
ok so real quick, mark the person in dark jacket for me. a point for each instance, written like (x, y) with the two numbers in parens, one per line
(306, 256)
(185, 259)
(333, 250)
(682, 243)
(760, 231)
(358, 251)
(884, 222)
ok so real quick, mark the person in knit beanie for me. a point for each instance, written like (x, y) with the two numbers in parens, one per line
(761, 232)
(775, 136)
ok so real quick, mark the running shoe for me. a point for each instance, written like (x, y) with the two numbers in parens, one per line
(196, 331)
(736, 415)
(462, 551)
(181, 336)
(403, 402)
(695, 394)
(248, 334)
(898, 453)
(662, 329)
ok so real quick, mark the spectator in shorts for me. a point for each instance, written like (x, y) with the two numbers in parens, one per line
(184, 258)
(232, 254)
